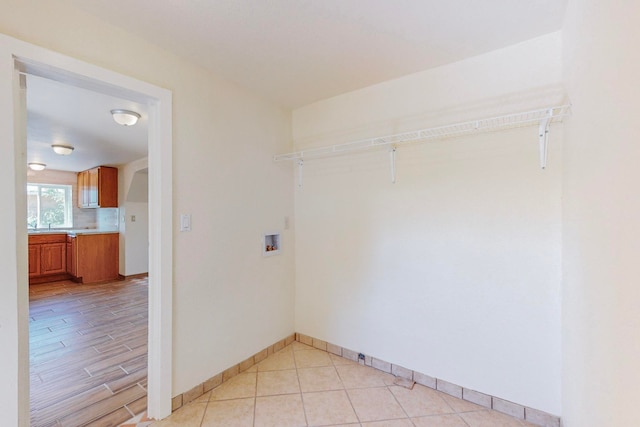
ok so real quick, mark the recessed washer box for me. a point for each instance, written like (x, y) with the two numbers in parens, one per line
(271, 244)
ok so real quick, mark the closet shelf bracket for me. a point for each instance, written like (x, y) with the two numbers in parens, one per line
(543, 134)
(392, 163)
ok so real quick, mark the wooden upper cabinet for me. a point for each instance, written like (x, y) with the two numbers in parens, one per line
(98, 188)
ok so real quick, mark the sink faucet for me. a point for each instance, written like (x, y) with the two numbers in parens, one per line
(49, 226)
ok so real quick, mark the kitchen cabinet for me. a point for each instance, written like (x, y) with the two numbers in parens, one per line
(34, 260)
(53, 258)
(94, 257)
(98, 188)
(71, 256)
(83, 257)
(47, 258)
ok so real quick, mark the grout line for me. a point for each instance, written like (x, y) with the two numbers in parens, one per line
(295, 364)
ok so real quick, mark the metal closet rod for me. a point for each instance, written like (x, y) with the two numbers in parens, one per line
(542, 117)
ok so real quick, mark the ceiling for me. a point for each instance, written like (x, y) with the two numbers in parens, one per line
(295, 52)
(292, 52)
(61, 114)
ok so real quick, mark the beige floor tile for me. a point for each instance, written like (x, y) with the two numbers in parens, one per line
(240, 386)
(357, 376)
(277, 382)
(204, 398)
(328, 408)
(297, 346)
(280, 411)
(338, 360)
(188, 416)
(278, 361)
(375, 404)
(421, 401)
(488, 418)
(254, 368)
(460, 405)
(319, 379)
(229, 413)
(312, 358)
(450, 420)
(389, 423)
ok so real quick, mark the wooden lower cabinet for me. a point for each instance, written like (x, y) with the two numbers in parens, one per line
(47, 258)
(86, 258)
(34, 260)
(96, 257)
(71, 256)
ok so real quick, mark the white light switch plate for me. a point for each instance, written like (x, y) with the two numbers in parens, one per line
(185, 222)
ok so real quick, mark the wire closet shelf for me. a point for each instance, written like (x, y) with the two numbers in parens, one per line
(542, 117)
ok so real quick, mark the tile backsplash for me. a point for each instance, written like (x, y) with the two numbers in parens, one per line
(107, 218)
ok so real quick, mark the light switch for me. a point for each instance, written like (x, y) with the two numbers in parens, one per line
(133, 218)
(185, 222)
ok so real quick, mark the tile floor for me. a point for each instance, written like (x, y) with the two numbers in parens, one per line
(303, 386)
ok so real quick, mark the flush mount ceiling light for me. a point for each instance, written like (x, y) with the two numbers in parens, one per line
(125, 117)
(36, 166)
(63, 150)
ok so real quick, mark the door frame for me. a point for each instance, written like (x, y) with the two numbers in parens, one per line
(16, 59)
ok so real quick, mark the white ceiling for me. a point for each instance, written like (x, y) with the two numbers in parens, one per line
(295, 52)
(292, 52)
(61, 114)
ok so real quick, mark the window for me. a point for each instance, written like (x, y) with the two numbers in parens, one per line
(49, 206)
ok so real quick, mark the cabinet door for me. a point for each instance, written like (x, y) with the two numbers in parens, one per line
(107, 187)
(83, 196)
(71, 256)
(34, 260)
(92, 177)
(53, 258)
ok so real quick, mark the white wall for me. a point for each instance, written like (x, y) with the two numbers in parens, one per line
(601, 319)
(229, 302)
(454, 271)
(134, 202)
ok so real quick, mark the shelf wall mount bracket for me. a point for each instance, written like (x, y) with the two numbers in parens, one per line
(300, 164)
(543, 135)
(392, 163)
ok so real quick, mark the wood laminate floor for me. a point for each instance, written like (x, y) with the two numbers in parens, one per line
(88, 352)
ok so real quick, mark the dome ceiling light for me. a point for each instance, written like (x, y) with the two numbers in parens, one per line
(37, 166)
(125, 117)
(63, 150)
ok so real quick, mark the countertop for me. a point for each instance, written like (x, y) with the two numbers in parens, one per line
(73, 232)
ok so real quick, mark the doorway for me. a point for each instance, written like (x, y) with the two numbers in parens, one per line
(88, 335)
(16, 60)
